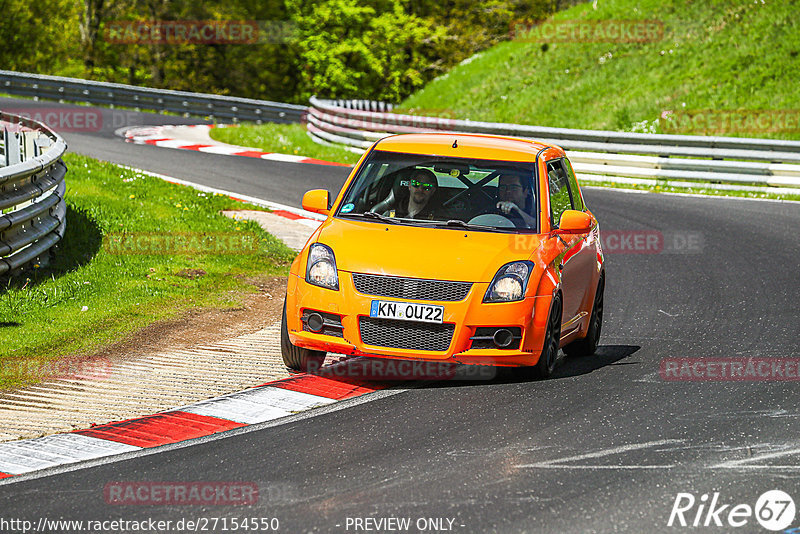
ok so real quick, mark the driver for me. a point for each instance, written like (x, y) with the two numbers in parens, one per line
(422, 185)
(514, 199)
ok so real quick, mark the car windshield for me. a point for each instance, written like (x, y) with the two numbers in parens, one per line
(418, 189)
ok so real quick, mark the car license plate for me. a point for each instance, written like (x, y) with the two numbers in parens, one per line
(406, 311)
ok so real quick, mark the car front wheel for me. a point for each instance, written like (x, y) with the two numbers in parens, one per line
(298, 358)
(547, 361)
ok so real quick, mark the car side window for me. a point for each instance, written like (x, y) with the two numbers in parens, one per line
(560, 195)
(577, 202)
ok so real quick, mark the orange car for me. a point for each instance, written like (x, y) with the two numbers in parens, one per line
(441, 247)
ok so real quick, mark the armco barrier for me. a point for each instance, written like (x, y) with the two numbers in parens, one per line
(359, 123)
(145, 98)
(727, 160)
(32, 208)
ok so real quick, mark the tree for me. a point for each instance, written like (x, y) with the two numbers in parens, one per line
(347, 49)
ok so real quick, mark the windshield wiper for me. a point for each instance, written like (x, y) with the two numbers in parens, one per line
(462, 224)
(373, 215)
(376, 215)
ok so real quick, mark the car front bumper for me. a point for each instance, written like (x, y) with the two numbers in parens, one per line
(462, 317)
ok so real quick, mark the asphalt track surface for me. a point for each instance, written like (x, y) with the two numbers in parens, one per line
(604, 446)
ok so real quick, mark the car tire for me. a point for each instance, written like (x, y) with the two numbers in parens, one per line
(588, 345)
(298, 358)
(547, 361)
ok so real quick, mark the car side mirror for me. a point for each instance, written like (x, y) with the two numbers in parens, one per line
(575, 222)
(317, 200)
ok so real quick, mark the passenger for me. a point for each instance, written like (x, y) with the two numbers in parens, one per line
(514, 200)
(422, 186)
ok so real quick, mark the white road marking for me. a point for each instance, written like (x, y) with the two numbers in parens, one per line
(26, 456)
(558, 463)
(742, 462)
(257, 405)
(283, 157)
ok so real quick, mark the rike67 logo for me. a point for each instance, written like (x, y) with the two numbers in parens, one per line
(774, 510)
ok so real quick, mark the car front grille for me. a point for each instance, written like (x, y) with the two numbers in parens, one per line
(405, 334)
(410, 288)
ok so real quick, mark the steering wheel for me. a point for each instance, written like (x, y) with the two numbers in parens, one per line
(492, 219)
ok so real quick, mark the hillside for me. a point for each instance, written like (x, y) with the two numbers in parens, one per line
(718, 68)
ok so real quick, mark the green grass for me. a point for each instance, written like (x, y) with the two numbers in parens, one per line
(91, 295)
(282, 138)
(714, 55)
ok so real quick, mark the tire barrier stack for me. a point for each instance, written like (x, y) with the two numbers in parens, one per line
(32, 187)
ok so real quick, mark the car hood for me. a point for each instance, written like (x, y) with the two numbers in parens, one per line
(420, 252)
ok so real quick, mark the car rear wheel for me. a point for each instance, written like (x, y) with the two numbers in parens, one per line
(552, 339)
(298, 358)
(588, 345)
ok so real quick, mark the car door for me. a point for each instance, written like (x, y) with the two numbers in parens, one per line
(576, 262)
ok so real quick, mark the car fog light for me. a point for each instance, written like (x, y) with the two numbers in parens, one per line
(503, 338)
(315, 322)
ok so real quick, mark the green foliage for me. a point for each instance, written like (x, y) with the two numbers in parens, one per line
(376, 49)
(258, 70)
(717, 55)
(474, 26)
(346, 49)
(37, 36)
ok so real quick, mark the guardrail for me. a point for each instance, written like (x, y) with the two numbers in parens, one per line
(145, 98)
(32, 208)
(725, 160)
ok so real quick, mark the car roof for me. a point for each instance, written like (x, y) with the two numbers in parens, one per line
(493, 147)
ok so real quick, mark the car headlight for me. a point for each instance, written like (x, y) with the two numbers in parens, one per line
(509, 283)
(321, 267)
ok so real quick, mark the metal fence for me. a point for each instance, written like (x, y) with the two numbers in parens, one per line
(358, 123)
(32, 208)
(725, 160)
(145, 98)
